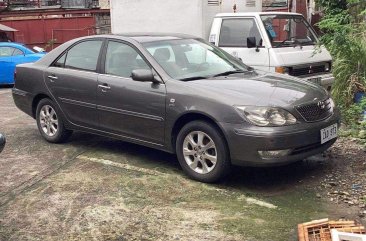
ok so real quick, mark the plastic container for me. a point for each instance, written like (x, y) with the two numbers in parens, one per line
(358, 96)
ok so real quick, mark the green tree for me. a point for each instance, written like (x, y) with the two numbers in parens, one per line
(345, 38)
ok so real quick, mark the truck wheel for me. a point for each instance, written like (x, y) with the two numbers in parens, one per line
(202, 152)
(50, 123)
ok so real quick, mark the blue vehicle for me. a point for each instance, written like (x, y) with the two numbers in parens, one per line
(12, 54)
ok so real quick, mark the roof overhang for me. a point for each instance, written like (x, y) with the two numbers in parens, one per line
(5, 28)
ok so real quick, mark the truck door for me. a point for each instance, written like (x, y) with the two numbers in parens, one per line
(233, 39)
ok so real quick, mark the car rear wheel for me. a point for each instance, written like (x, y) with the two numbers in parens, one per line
(50, 123)
(202, 152)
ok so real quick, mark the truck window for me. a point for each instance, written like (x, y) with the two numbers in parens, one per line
(288, 30)
(234, 32)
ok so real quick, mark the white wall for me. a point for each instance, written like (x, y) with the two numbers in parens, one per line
(241, 6)
(174, 16)
(192, 17)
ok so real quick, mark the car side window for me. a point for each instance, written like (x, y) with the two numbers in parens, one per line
(122, 59)
(17, 52)
(60, 62)
(6, 51)
(84, 55)
(234, 32)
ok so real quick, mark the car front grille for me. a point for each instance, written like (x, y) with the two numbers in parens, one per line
(316, 111)
(308, 70)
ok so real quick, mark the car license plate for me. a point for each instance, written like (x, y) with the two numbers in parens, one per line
(328, 133)
(317, 80)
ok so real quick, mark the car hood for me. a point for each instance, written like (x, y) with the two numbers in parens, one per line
(261, 89)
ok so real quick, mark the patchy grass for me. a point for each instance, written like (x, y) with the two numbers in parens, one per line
(107, 195)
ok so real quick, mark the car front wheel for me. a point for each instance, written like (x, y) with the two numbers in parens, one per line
(50, 123)
(202, 152)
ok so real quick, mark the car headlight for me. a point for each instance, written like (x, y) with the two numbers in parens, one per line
(266, 116)
(332, 104)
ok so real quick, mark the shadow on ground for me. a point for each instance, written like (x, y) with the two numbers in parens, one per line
(269, 180)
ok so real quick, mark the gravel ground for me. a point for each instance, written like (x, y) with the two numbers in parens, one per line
(344, 183)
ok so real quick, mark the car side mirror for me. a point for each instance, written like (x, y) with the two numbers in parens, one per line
(143, 75)
(2, 142)
(251, 42)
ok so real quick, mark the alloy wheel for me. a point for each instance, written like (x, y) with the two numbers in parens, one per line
(48, 120)
(199, 151)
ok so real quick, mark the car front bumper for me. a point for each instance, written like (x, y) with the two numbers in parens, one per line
(303, 140)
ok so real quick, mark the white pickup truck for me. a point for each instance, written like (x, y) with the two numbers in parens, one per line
(281, 42)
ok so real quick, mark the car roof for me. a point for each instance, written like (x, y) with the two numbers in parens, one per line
(253, 14)
(150, 37)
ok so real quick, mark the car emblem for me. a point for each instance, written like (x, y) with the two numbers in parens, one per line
(321, 105)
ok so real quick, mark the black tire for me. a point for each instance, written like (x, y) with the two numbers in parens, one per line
(59, 136)
(222, 166)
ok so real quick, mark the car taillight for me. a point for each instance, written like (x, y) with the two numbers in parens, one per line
(15, 76)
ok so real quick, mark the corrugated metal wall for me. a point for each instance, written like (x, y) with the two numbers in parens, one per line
(51, 31)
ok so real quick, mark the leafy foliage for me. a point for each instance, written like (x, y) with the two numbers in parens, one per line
(355, 113)
(354, 118)
(345, 38)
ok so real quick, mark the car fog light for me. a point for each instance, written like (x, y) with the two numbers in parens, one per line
(274, 154)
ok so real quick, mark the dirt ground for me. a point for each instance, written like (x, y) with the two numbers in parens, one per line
(95, 188)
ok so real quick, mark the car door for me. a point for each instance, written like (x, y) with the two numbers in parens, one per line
(72, 80)
(233, 39)
(127, 107)
(6, 65)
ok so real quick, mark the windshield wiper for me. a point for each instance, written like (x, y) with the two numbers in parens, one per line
(193, 78)
(292, 42)
(230, 72)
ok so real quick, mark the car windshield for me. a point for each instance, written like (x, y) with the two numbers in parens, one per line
(288, 30)
(190, 59)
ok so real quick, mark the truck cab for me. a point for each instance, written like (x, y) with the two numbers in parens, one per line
(274, 41)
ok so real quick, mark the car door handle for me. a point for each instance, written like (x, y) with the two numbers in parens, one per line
(52, 78)
(104, 87)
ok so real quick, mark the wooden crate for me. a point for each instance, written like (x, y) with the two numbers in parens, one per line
(320, 230)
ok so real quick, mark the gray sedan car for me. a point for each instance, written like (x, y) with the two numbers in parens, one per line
(179, 94)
